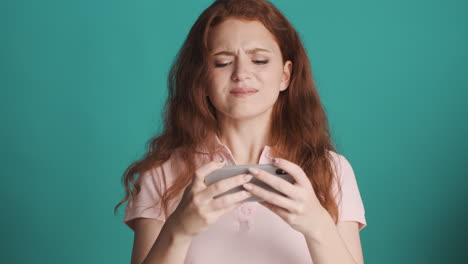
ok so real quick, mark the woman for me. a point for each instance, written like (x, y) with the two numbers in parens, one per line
(241, 92)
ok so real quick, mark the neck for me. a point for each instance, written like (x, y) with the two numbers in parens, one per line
(245, 138)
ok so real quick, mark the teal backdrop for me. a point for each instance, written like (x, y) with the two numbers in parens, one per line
(83, 84)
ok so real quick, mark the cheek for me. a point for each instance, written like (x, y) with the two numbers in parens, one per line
(212, 83)
(218, 78)
(271, 78)
(215, 91)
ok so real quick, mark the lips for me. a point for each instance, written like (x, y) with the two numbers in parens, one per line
(243, 90)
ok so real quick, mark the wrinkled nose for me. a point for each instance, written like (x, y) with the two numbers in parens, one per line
(241, 71)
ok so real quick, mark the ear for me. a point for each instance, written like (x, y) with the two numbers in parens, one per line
(287, 69)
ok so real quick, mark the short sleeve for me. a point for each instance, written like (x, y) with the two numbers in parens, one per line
(147, 203)
(350, 205)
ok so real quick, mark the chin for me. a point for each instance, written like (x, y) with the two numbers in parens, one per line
(245, 114)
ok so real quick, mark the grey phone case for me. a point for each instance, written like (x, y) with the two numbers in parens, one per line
(230, 171)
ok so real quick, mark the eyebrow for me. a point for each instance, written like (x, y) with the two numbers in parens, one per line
(250, 51)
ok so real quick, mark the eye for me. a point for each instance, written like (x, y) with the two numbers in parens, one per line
(260, 61)
(218, 65)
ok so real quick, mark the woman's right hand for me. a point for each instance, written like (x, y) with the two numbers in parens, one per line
(197, 208)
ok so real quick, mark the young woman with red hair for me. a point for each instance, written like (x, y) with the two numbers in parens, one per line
(241, 91)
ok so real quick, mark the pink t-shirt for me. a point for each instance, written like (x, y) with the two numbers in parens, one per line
(250, 233)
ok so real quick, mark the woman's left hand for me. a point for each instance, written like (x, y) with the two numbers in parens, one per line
(301, 209)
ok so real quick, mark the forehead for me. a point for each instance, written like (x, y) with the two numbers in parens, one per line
(234, 33)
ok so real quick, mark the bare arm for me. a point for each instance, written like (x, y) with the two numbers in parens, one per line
(349, 232)
(336, 243)
(158, 242)
(146, 232)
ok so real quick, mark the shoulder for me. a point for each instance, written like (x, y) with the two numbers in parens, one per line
(166, 173)
(158, 170)
(344, 182)
(340, 163)
(348, 195)
(157, 177)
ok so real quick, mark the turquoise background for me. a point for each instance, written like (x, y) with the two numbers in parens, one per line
(83, 84)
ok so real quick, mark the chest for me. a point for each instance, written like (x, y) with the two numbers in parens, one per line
(249, 234)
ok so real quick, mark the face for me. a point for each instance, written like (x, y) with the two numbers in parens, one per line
(244, 56)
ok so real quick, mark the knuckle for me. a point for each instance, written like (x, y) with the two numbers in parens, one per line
(279, 187)
(290, 218)
(196, 200)
(218, 187)
(224, 201)
(300, 209)
(230, 199)
(199, 211)
(242, 194)
(205, 219)
(240, 179)
(198, 174)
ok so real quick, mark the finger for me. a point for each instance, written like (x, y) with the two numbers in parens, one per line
(229, 200)
(277, 183)
(229, 208)
(277, 210)
(272, 198)
(203, 171)
(223, 186)
(294, 170)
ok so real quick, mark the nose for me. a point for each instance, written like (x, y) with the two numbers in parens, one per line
(241, 69)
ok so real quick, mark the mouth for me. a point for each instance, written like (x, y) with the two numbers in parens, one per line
(243, 92)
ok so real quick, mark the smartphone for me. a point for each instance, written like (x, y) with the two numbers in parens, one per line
(230, 171)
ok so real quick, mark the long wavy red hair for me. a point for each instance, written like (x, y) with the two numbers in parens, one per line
(299, 129)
